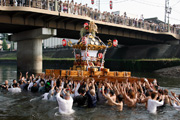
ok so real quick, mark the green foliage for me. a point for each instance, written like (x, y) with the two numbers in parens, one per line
(4, 45)
(4, 36)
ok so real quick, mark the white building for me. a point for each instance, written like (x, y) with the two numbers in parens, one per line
(52, 42)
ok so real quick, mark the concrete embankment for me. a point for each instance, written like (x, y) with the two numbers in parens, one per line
(169, 72)
(142, 58)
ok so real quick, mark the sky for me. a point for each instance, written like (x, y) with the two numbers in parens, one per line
(135, 8)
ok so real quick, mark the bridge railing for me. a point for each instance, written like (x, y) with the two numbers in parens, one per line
(84, 10)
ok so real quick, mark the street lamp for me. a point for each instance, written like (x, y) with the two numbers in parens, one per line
(168, 10)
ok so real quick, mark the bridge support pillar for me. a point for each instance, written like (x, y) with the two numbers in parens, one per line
(29, 49)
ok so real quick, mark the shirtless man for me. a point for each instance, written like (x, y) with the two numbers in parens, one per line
(111, 97)
(131, 98)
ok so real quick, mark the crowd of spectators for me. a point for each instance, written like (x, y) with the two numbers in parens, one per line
(72, 7)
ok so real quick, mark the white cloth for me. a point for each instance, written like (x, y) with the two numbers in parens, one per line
(176, 107)
(65, 106)
(29, 86)
(76, 90)
(153, 104)
(45, 96)
(14, 90)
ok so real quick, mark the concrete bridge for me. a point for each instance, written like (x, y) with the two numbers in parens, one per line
(30, 25)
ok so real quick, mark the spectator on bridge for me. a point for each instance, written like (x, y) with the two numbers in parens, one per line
(68, 7)
(51, 5)
(65, 9)
(142, 18)
(91, 13)
(95, 14)
(115, 18)
(75, 8)
(83, 10)
(112, 17)
(71, 7)
(118, 19)
(19, 2)
(108, 17)
(99, 15)
(86, 10)
(125, 15)
(80, 9)
(103, 17)
(12, 2)
(60, 6)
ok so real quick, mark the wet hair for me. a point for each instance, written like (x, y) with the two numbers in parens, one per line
(58, 83)
(139, 90)
(20, 82)
(166, 92)
(153, 94)
(131, 93)
(15, 85)
(90, 87)
(147, 93)
(156, 87)
(65, 85)
(120, 98)
(81, 90)
(14, 80)
(67, 94)
(161, 91)
(111, 92)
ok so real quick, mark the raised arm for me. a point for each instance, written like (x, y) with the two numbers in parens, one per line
(87, 85)
(103, 93)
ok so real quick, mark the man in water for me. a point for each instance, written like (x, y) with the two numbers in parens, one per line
(111, 97)
(153, 103)
(91, 94)
(65, 105)
(15, 88)
(5, 86)
(81, 98)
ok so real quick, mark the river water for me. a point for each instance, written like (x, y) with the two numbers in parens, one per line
(27, 106)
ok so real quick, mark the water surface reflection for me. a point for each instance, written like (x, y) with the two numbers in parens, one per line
(19, 107)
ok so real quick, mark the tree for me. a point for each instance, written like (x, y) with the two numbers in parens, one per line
(4, 36)
(4, 45)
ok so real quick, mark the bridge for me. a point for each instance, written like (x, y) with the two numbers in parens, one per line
(30, 25)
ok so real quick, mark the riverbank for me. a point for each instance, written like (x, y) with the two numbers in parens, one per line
(134, 65)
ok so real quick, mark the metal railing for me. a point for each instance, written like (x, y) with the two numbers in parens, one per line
(84, 10)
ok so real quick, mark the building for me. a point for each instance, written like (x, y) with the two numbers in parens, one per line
(153, 20)
(52, 42)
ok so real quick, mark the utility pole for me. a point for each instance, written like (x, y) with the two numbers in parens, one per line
(167, 11)
(166, 5)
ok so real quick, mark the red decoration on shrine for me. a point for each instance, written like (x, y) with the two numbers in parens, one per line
(92, 2)
(111, 4)
(100, 55)
(86, 54)
(64, 43)
(115, 43)
(77, 55)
